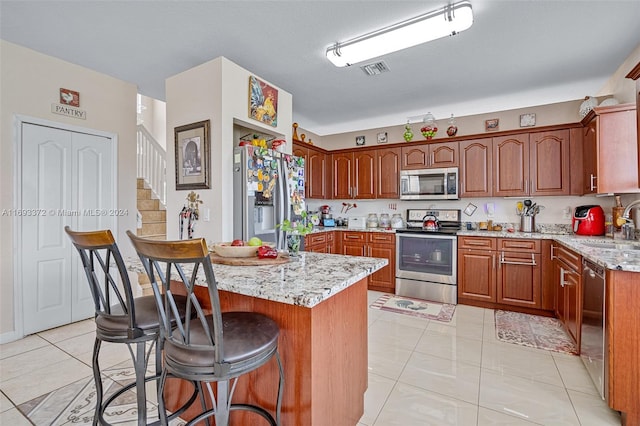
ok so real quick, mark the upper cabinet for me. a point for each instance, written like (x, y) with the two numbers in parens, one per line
(511, 165)
(316, 170)
(354, 174)
(476, 168)
(432, 155)
(388, 174)
(610, 151)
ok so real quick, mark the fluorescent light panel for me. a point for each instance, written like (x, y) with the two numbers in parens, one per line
(449, 20)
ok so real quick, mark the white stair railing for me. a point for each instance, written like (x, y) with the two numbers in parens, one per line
(152, 163)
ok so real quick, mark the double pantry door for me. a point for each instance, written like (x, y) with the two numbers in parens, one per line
(67, 178)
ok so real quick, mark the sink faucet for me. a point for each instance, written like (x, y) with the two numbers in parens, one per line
(627, 210)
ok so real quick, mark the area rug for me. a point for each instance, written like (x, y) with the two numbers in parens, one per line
(415, 307)
(533, 331)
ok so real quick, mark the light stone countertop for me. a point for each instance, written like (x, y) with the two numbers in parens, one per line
(305, 281)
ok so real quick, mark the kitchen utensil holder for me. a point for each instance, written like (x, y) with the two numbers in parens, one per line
(527, 223)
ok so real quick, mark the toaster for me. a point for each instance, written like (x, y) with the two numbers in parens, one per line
(588, 220)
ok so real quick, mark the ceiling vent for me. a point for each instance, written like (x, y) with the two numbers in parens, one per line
(375, 68)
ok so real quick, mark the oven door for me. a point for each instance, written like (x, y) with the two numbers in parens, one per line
(427, 257)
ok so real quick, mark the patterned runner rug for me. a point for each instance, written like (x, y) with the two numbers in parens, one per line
(415, 307)
(533, 331)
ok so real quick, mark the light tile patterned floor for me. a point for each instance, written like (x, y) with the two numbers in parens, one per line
(421, 372)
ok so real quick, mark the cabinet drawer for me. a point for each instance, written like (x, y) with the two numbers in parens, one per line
(330, 236)
(382, 238)
(476, 243)
(568, 257)
(354, 236)
(319, 238)
(512, 244)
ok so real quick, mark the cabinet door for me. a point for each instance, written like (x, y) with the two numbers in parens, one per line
(342, 170)
(303, 152)
(385, 278)
(388, 175)
(354, 243)
(573, 304)
(549, 163)
(415, 157)
(315, 172)
(617, 150)
(589, 157)
(477, 275)
(364, 173)
(518, 281)
(476, 168)
(444, 154)
(511, 165)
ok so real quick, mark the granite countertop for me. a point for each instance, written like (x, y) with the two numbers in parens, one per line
(621, 255)
(305, 281)
(318, 229)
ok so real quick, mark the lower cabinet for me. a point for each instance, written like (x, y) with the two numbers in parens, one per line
(320, 242)
(568, 286)
(374, 244)
(499, 272)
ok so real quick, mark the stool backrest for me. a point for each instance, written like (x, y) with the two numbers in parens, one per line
(175, 266)
(104, 267)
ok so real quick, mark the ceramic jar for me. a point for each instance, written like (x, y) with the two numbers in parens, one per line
(372, 220)
(396, 221)
(385, 221)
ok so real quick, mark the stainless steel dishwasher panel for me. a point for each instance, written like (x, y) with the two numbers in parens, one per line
(592, 344)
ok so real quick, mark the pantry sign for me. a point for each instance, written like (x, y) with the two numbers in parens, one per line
(69, 103)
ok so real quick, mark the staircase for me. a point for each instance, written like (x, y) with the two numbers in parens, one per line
(154, 215)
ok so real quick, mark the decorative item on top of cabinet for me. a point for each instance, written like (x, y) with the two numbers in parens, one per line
(295, 132)
(408, 132)
(452, 130)
(429, 127)
(610, 150)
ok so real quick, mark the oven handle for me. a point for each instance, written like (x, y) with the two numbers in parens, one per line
(506, 262)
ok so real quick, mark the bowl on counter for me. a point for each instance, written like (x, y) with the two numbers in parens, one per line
(227, 250)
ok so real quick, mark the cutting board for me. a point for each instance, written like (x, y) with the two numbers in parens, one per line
(248, 261)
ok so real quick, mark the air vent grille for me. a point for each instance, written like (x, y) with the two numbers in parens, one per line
(375, 68)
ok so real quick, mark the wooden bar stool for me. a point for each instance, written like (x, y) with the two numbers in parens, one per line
(208, 347)
(120, 318)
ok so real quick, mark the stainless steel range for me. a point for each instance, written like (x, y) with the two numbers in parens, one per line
(426, 255)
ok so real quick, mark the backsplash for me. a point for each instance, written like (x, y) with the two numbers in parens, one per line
(556, 211)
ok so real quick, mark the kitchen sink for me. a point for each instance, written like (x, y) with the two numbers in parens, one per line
(612, 246)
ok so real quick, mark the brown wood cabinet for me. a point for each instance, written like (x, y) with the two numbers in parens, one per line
(374, 244)
(549, 163)
(610, 150)
(518, 280)
(388, 173)
(511, 165)
(321, 242)
(434, 155)
(354, 174)
(568, 287)
(476, 170)
(316, 170)
(500, 273)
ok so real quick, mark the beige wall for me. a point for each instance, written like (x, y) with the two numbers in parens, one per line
(217, 90)
(623, 89)
(154, 118)
(30, 83)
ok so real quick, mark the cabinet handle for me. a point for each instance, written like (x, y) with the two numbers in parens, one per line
(562, 281)
(592, 185)
(553, 256)
(526, 186)
(433, 159)
(532, 263)
(493, 261)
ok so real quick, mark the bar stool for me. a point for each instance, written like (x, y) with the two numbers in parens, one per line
(209, 347)
(120, 318)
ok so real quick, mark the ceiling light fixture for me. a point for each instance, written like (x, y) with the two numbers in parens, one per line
(449, 20)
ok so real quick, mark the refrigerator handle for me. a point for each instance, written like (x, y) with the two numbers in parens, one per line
(281, 203)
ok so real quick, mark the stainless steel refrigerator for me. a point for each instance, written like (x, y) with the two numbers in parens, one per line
(268, 188)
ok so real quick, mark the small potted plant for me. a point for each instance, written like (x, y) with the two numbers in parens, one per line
(295, 231)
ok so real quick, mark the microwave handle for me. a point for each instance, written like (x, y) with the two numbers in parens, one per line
(404, 185)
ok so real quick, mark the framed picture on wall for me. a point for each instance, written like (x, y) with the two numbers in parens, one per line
(359, 140)
(193, 158)
(492, 125)
(263, 102)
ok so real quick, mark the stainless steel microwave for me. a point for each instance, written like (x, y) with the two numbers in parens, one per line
(429, 184)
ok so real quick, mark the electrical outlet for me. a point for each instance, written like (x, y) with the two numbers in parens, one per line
(491, 209)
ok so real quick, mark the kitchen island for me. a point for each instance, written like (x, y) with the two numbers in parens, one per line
(320, 303)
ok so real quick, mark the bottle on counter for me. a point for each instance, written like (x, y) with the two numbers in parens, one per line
(372, 220)
(617, 211)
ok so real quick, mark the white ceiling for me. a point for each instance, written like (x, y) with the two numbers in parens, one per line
(517, 53)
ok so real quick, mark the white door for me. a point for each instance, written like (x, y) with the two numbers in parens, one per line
(67, 179)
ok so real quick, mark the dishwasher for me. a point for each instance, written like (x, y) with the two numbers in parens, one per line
(592, 344)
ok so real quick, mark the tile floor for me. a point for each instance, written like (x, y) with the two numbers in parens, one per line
(421, 372)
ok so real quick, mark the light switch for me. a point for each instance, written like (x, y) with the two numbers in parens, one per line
(490, 208)
(207, 215)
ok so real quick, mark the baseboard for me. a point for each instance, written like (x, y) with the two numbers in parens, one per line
(10, 336)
